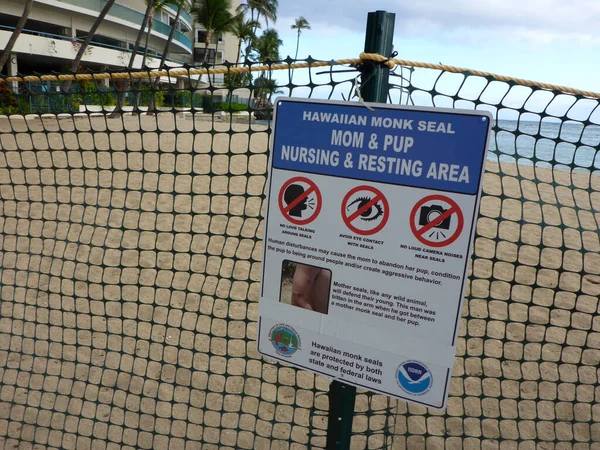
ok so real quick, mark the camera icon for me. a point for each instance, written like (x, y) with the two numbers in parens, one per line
(428, 214)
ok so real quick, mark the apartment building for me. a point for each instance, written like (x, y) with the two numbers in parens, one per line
(55, 28)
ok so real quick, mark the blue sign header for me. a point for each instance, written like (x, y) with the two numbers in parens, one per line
(410, 147)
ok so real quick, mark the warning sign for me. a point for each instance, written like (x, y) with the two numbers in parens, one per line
(369, 227)
(436, 220)
(300, 200)
(365, 210)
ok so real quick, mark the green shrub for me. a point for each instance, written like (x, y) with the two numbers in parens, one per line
(230, 107)
(147, 91)
(182, 99)
(92, 93)
(8, 102)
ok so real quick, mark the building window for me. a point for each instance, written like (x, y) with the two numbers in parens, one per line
(213, 38)
(199, 55)
(201, 36)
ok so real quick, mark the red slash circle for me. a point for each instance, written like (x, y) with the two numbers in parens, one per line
(378, 197)
(452, 210)
(311, 188)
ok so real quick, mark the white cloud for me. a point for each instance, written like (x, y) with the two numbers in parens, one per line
(533, 21)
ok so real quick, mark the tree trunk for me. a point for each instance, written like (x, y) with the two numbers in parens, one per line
(206, 42)
(295, 57)
(163, 60)
(150, 23)
(15, 35)
(88, 39)
(233, 77)
(138, 40)
(134, 52)
(297, 45)
(249, 46)
(138, 94)
(216, 56)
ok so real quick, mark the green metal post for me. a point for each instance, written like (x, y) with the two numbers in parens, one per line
(379, 39)
(375, 87)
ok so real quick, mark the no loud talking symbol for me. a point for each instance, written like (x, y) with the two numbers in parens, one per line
(300, 200)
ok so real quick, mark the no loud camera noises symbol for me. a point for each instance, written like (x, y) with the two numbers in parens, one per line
(436, 220)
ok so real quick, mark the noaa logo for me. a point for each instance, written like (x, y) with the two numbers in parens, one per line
(414, 377)
(285, 340)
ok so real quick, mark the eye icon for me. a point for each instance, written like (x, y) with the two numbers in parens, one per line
(366, 208)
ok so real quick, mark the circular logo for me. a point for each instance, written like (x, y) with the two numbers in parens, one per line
(285, 339)
(414, 377)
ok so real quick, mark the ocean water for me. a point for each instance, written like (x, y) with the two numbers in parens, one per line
(568, 145)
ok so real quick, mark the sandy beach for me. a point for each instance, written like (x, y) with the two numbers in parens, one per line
(129, 272)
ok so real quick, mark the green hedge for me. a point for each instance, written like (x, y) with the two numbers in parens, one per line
(230, 107)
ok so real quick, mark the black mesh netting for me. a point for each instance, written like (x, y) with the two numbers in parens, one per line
(130, 247)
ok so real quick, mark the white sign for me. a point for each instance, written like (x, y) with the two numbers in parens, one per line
(370, 222)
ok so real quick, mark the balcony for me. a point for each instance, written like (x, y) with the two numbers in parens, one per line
(186, 17)
(32, 42)
(130, 15)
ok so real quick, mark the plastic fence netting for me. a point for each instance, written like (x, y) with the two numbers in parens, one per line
(130, 248)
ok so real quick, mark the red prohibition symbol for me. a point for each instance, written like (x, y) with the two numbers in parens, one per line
(300, 200)
(436, 220)
(365, 210)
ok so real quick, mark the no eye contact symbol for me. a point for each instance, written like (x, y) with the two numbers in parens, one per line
(365, 210)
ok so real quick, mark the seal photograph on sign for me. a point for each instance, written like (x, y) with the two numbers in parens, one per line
(305, 286)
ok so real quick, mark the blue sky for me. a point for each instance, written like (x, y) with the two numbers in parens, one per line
(555, 41)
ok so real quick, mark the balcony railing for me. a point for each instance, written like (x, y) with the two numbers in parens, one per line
(130, 15)
(93, 43)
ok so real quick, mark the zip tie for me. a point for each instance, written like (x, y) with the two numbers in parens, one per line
(360, 99)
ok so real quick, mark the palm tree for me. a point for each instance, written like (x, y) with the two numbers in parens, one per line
(134, 52)
(223, 25)
(88, 39)
(147, 20)
(266, 8)
(15, 34)
(181, 5)
(300, 24)
(244, 30)
(267, 48)
(212, 15)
